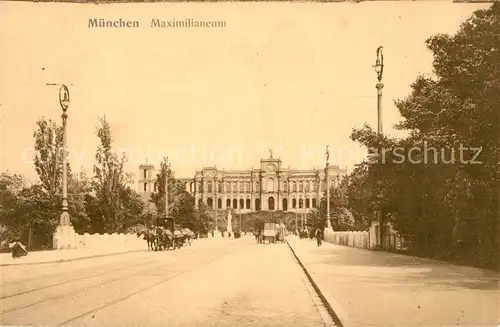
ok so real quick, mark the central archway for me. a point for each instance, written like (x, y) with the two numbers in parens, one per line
(270, 203)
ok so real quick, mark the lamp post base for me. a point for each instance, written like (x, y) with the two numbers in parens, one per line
(64, 237)
(328, 222)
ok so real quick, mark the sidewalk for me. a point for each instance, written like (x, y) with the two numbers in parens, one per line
(54, 256)
(368, 288)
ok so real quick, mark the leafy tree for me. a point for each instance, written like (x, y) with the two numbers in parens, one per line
(158, 198)
(107, 207)
(11, 186)
(444, 208)
(49, 154)
(201, 221)
(181, 203)
(79, 188)
(36, 216)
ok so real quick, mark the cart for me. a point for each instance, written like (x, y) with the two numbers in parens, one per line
(269, 233)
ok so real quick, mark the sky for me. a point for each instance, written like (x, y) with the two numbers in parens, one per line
(290, 77)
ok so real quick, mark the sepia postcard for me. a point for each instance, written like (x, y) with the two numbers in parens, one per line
(250, 163)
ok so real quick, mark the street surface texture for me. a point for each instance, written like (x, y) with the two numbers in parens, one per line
(53, 256)
(223, 282)
(386, 289)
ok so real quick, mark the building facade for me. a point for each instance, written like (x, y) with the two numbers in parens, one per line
(270, 187)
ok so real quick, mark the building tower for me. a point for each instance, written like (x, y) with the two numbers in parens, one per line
(147, 179)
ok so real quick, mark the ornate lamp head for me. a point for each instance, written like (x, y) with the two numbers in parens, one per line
(64, 97)
(379, 64)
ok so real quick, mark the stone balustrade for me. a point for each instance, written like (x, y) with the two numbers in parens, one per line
(115, 240)
(353, 239)
(367, 239)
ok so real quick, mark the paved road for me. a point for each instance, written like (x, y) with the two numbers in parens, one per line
(375, 288)
(213, 283)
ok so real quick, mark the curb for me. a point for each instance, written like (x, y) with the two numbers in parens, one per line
(334, 309)
(67, 260)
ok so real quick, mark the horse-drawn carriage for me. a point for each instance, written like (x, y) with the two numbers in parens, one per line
(271, 233)
(161, 238)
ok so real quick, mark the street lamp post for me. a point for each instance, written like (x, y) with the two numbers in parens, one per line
(166, 197)
(327, 170)
(304, 208)
(379, 69)
(216, 208)
(65, 234)
(296, 222)
(64, 101)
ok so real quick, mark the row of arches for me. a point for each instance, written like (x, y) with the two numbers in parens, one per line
(246, 187)
(246, 203)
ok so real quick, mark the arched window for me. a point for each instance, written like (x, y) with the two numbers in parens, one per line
(285, 204)
(228, 203)
(145, 187)
(307, 203)
(314, 202)
(301, 203)
(241, 187)
(294, 187)
(301, 187)
(145, 173)
(314, 187)
(235, 187)
(228, 187)
(242, 204)
(235, 204)
(257, 204)
(257, 186)
(270, 203)
(270, 184)
(285, 186)
(210, 202)
(209, 187)
(307, 186)
(294, 203)
(248, 204)
(248, 187)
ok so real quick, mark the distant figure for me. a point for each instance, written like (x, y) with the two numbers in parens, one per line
(18, 250)
(318, 236)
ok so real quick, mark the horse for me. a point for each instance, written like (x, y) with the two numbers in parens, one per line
(150, 236)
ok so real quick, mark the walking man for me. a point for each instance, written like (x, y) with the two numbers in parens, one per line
(318, 236)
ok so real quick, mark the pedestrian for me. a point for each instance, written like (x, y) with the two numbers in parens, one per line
(18, 250)
(318, 236)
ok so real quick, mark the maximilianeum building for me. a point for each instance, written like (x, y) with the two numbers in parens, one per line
(270, 187)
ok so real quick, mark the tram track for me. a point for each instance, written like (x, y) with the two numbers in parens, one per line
(143, 289)
(162, 266)
(58, 274)
(126, 266)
